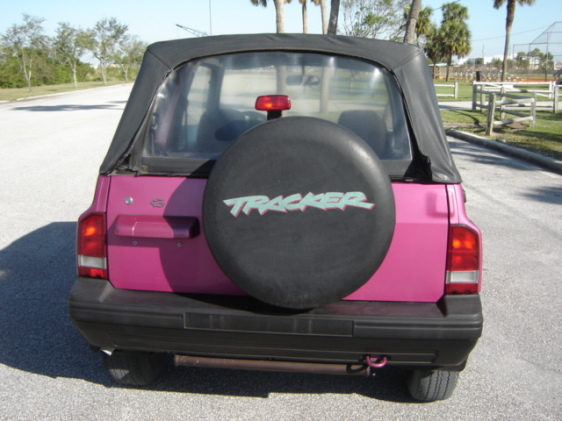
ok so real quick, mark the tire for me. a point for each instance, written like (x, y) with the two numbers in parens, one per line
(432, 385)
(134, 368)
(287, 253)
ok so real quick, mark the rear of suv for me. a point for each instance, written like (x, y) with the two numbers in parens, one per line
(281, 202)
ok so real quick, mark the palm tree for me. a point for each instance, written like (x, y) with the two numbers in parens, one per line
(432, 47)
(453, 33)
(323, 11)
(279, 12)
(333, 20)
(322, 4)
(508, 23)
(424, 25)
(412, 21)
(304, 16)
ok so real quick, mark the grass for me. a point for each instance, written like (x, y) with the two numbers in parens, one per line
(545, 137)
(13, 94)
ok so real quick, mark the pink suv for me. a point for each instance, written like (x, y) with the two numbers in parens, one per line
(281, 202)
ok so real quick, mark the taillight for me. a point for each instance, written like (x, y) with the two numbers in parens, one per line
(91, 246)
(463, 261)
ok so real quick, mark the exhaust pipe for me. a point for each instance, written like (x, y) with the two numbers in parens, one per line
(265, 365)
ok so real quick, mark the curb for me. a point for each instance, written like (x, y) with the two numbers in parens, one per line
(535, 158)
(34, 97)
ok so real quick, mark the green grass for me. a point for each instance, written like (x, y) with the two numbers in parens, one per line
(12, 94)
(545, 137)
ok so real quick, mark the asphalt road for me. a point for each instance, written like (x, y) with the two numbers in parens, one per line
(50, 150)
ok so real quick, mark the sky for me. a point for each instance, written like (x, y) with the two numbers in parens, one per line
(156, 20)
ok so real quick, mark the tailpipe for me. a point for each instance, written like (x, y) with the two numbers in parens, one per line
(267, 365)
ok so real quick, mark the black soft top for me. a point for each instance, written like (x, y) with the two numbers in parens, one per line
(407, 63)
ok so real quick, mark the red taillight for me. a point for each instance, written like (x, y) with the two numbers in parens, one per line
(91, 246)
(273, 103)
(463, 261)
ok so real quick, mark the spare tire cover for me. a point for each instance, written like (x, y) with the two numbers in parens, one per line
(299, 212)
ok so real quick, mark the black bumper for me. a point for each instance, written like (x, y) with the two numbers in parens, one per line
(432, 335)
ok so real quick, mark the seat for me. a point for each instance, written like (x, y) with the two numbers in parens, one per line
(218, 128)
(369, 126)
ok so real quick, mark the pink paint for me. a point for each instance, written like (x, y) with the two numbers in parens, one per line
(414, 267)
(164, 256)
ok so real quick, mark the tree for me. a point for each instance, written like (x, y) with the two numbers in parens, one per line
(521, 61)
(103, 41)
(131, 49)
(26, 42)
(433, 47)
(546, 63)
(508, 23)
(423, 24)
(374, 18)
(412, 22)
(322, 4)
(69, 45)
(454, 35)
(279, 12)
(323, 11)
(333, 20)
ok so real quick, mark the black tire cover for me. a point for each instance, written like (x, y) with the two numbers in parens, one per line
(273, 246)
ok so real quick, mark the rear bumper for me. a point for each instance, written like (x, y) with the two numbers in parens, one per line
(433, 335)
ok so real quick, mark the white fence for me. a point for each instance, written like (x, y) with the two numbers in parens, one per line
(455, 88)
(502, 106)
(546, 95)
(501, 96)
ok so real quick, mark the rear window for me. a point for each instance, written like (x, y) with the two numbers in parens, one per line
(204, 105)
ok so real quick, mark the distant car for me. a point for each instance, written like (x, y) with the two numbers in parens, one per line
(281, 202)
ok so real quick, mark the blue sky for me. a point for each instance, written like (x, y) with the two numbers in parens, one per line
(156, 20)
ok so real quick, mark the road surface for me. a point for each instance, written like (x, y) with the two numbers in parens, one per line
(50, 150)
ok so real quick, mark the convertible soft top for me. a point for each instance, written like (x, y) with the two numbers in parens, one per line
(407, 63)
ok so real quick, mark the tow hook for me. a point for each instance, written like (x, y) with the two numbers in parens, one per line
(376, 361)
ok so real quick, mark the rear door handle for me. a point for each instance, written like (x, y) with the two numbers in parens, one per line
(156, 226)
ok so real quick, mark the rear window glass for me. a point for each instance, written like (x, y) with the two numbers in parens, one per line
(204, 105)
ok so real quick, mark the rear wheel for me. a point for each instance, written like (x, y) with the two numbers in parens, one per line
(432, 385)
(134, 368)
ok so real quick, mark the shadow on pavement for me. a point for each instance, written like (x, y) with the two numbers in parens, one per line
(491, 157)
(36, 274)
(118, 105)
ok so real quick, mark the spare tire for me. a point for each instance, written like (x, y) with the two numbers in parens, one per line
(299, 212)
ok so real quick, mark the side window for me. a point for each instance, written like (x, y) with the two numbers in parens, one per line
(198, 96)
(177, 111)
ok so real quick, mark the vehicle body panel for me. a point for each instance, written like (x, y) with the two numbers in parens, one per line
(167, 262)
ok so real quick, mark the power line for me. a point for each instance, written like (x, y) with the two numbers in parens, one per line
(518, 33)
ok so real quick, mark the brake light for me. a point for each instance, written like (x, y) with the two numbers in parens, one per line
(91, 246)
(273, 104)
(463, 261)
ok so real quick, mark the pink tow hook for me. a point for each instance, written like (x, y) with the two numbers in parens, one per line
(376, 361)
